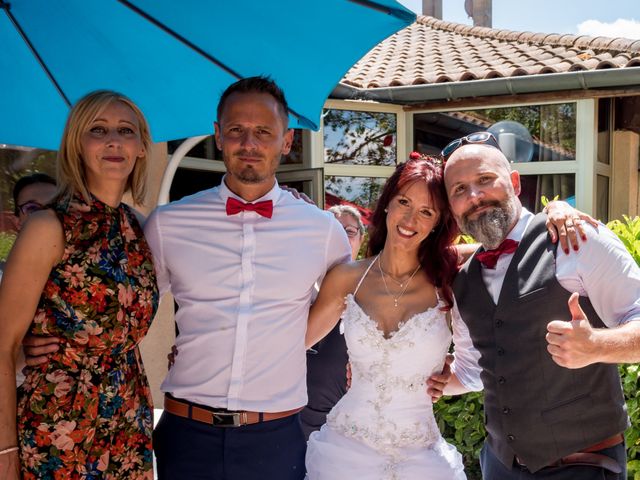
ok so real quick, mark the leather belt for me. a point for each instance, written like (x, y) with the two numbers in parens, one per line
(606, 443)
(220, 417)
(587, 457)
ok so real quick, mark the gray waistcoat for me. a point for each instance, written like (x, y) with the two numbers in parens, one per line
(534, 408)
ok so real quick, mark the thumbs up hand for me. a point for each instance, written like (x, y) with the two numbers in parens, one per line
(572, 344)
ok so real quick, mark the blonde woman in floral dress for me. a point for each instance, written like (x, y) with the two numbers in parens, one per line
(83, 274)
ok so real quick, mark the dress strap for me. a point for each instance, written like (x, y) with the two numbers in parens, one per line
(365, 274)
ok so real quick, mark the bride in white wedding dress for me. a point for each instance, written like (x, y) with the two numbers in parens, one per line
(397, 335)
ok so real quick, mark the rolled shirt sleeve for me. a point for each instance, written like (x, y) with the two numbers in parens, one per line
(603, 270)
(465, 364)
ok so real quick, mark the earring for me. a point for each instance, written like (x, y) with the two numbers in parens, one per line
(386, 210)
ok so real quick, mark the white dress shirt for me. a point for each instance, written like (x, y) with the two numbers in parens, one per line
(602, 270)
(243, 284)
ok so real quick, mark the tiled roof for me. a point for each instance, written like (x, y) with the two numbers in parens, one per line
(432, 51)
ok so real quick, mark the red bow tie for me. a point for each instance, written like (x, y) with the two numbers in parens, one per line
(489, 258)
(261, 208)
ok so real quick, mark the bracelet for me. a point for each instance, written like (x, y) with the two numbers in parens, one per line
(9, 450)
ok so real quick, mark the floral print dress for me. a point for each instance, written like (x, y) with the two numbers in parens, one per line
(87, 413)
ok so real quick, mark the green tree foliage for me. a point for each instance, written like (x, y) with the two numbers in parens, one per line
(359, 138)
(461, 421)
(6, 242)
(363, 191)
(629, 233)
(553, 124)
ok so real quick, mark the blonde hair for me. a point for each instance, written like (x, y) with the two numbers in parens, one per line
(70, 171)
(338, 210)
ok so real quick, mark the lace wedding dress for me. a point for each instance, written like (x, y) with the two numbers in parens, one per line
(384, 428)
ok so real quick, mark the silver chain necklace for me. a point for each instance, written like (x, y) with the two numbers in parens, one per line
(384, 281)
(395, 280)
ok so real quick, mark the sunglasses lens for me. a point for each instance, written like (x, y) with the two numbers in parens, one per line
(449, 149)
(479, 137)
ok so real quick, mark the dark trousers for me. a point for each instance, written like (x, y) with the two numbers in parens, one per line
(191, 450)
(493, 469)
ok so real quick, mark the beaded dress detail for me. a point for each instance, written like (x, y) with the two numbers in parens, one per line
(384, 428)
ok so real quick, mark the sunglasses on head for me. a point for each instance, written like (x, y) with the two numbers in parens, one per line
(477, 137)
(27, 208)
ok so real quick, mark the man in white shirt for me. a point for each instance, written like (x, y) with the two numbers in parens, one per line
(544, 355)
(241, 261)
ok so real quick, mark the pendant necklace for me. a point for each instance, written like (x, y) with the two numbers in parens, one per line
(384, 281)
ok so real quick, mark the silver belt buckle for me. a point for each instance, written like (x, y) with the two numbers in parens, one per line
(225, 419)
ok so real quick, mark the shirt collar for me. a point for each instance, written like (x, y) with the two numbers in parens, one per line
(273, 194)
(517, 232)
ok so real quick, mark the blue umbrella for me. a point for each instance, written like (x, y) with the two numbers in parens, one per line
(174, 58)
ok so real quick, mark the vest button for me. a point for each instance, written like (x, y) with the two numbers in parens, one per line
(499, 323)
(500, 351)
(502, 380)
(506, 410)
(511, 438)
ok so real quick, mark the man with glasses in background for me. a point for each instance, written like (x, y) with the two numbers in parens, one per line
(539, 329)
(30, 194)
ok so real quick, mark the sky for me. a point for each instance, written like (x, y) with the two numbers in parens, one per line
(608, 18)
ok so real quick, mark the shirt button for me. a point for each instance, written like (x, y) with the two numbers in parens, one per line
(511, 438)
(500, 351)
(499, 323)
(502, 380)
(506, 410)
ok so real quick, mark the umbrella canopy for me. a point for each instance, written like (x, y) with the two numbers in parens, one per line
(174, 59)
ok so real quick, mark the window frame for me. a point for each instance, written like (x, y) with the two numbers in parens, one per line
(585, 167)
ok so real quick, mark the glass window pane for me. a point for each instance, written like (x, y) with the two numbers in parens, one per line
(360, 138)
(204, 149)
(602, 199)
(533, 187)
(187, 181)
(552, 129)
(604, 130)
(295, 155)
(361, 191)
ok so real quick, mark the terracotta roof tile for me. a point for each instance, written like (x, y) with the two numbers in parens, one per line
(436, 51)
